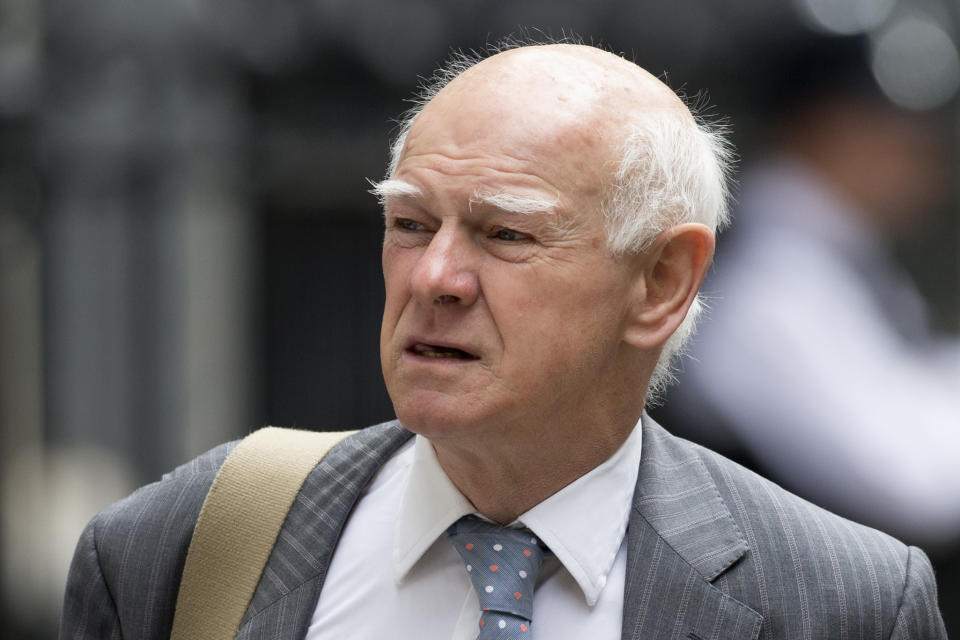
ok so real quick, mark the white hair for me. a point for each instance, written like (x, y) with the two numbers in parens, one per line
(672, 169)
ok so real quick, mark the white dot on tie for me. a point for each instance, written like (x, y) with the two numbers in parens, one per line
(469, 567)
(488, 588)
(502, 624)
(533, 541)
(497, 547)
(522, 574)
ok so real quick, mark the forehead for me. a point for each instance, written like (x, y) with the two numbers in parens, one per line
(488, 139)
(487, 176)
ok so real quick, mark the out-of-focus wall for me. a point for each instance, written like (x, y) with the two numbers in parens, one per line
(187, 248)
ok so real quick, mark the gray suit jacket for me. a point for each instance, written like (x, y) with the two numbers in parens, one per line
(714, 552)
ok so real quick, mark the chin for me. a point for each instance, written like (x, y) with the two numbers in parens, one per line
(429, 421)
(435, 415)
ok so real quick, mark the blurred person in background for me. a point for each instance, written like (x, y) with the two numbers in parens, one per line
(817, 362)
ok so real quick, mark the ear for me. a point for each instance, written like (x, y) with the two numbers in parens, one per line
(669, 275)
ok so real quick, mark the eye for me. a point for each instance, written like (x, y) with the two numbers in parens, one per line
(509, 235)
(406, 224)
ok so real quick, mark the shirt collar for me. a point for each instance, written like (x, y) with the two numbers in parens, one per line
(431, 503)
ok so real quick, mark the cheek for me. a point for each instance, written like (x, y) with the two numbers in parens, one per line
(395, 301)
(389, 261)
(396, 272)
(555, 321)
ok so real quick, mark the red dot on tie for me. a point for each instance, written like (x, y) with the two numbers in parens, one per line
(482, 623)
(527, 552)
(493, 567)
(469, 546)
(517, 595)
(523, 628)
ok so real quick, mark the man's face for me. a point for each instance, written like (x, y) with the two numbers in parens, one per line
(496, 319)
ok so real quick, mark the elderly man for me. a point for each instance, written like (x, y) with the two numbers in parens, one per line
(549, 219)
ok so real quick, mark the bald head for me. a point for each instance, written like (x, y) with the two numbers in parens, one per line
(574, 75)
(559, 99)
(581, 94)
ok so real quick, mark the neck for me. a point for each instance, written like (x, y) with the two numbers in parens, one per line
(503, 482)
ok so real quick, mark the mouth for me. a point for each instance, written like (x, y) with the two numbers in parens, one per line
(440, 352)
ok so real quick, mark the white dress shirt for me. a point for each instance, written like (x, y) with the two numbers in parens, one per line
(395, 574)
(803, 356)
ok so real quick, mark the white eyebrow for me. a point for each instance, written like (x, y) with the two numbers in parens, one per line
(515, 204)
(503, 201)
(387, 188)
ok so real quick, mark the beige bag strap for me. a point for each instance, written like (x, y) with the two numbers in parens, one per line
(238, 526)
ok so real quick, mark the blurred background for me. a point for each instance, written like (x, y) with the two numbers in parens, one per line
(188, 251)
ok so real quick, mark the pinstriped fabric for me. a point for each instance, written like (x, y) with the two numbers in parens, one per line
(714, 551)
(126, 570)
(123, 561)
(680, 538)
(290, 586)
(805, 572)
(285, 615)
(306, 542)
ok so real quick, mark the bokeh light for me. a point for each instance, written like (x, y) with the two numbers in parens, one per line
(846, 17)
(916, 63)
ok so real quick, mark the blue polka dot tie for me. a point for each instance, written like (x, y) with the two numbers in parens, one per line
(503, 564)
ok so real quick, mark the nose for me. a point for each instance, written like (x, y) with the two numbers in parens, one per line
(444, 273)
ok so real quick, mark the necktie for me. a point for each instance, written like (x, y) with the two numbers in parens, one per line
(503, 564)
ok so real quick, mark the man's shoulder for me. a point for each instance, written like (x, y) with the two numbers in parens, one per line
(799, 563)
(137, 547)
(162, 512)
(177, 497)
(770, 516)
(204, 464)
(127, 565)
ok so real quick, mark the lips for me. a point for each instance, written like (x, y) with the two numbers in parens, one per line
(439, 351)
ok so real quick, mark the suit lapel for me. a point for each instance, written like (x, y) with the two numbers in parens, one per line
(289, 587)
(681, 537)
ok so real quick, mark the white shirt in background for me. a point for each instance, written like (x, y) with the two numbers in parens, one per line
(804, 358)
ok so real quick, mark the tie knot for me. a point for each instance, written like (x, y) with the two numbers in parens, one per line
(503, 563)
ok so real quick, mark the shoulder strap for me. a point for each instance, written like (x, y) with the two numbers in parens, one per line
(238, 526)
